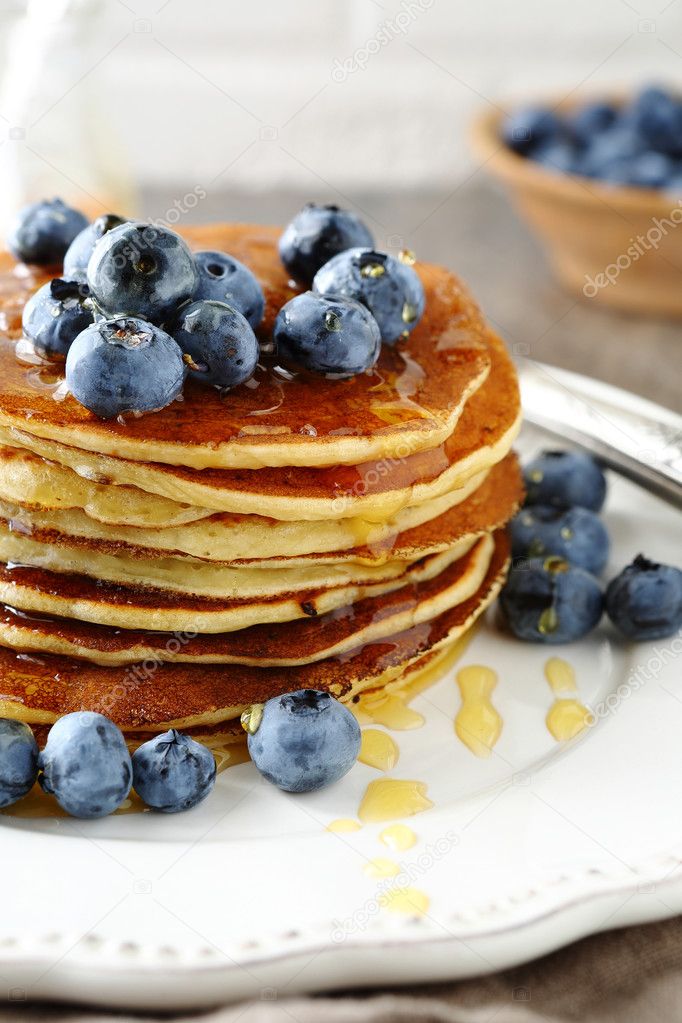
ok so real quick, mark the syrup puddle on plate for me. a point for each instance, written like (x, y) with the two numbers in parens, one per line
(343, 825)
(388, 799)
(398, 837)
(477, 724)
(378, 750)
(567, 717)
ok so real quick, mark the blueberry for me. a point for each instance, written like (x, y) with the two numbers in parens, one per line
(657, 117)
(590, 120)
(551, 601)
(573, 533)
(645, 600)
(172, 772)
(18, 761)
(524, 129)
(315, 235)
(79, 251)
(223, 278)
(55, 314)
(650, 169)
(303, 741)
(42, 232)
(609, 155)
(565, 478)
(558, 156)
(327, 335)
(221, 344)
(391, 290)
(142, 270)
(86, 765)
(124, 365)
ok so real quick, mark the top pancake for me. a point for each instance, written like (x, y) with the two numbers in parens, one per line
(373, 490)
(409, 402)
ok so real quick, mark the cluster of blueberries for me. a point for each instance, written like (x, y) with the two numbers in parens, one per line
(638, 143)
(560, 546)
(300, 742)
(135, 311)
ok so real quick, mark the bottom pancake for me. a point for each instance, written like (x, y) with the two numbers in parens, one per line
(39, 690)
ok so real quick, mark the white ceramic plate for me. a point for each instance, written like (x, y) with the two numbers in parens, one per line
(249, 895)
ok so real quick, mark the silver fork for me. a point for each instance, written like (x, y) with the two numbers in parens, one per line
(635, 437)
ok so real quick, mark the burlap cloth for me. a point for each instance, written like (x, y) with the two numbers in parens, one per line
(630, 976)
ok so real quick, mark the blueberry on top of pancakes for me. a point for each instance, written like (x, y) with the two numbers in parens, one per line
(315, 235)
(220, 347)
(79, 251)
(223, 278)
(124, 365)
(42, 232)
(55, 314)
(142, 269)
(327, 334)
(389, 288)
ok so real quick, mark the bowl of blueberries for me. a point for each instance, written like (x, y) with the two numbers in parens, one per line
(600, 183)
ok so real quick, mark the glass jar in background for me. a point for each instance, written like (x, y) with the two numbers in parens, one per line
(59, 140)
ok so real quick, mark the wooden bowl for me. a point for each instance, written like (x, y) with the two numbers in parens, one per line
(611, 244)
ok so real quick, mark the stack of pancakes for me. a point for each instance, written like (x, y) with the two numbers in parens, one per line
(173, 569)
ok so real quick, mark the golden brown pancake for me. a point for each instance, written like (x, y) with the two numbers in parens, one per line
(68, 595)
(374, 490)
(290, 643)
(413, 396)
(489, 506)
(38, 689)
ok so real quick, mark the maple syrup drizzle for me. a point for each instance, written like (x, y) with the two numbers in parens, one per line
(478, 725)
(567, 716)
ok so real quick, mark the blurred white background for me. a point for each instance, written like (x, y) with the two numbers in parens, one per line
(317, 95)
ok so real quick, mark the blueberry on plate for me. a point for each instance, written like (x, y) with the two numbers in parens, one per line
(143, 270)
(86, 765)
(18, 761)
(315, 235)
(391, 290)
(223, 278)
(124, 365)
(328, 335)
(529, 127)
(222, 347)
(42, 232)
(55, 314)
(79, 251)
(645, 600)
(563, 479)
(550, 601)
(172, 772)
(302, 741)
(572, 533)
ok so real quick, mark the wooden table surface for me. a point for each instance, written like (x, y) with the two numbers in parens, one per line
(474, 231)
